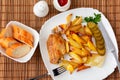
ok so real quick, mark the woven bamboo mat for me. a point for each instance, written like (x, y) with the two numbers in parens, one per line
(22, 10)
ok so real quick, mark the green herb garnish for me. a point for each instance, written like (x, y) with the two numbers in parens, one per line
(95, 19)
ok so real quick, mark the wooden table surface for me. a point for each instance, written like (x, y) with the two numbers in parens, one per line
(22, 11)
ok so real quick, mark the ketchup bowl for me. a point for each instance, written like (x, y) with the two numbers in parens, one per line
(61, 5)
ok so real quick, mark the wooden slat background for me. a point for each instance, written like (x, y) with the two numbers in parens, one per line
(22, 10)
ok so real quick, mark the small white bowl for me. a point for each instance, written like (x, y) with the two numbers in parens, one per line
(36, 39)
(41, 8)
(61, 8)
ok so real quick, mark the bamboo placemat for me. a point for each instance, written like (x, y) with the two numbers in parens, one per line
(22, 10)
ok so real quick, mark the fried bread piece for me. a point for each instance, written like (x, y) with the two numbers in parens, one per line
(7, 42)
(18, 50)
(56, 48)
(22, 35)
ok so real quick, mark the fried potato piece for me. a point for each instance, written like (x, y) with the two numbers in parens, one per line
(67, 33)
(81, 31)
(68, 18)
(75, 28)
(85, 59)
(69, 66)
(91, 46)
(67, 46)
(87, 31)
(77, 21)
(76, 57)
(81, 52)
(76, 50)
(56, 30)
(74, 21)
(86, 38)
(65, 27)
(78, 39)
(75, 61)
(82, 67)
(74, 43)
(56, 47)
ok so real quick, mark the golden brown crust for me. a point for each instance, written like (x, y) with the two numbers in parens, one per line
(16, 41)
(6, 42)
(22, 35)
(56, 47)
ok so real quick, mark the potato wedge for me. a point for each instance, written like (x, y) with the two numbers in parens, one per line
(70, 66)
(67, 33)
(74, 21)
(74, 43)
(78, 39)
(77, 21)
(85, 52)
(82, 67)
(67, 46)
(87, 31)
(64, 63)
(84, 59)
(75, 28)
(76, 50)
(75, 61)
(81, 52)
(63, 26)
(76, 57)
(86, 38)
(56, 30)
(81, 31)
(91, 46)
(68, 18)
(75, 65)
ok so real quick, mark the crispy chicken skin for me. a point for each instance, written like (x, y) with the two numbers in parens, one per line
(56, 48)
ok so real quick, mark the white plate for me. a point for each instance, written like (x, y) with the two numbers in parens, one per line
(36, 40)
(93, 73)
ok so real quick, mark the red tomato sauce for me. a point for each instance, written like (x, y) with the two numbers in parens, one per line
(62, 2)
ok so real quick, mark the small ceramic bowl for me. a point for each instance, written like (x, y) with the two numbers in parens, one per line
(41, 8)
(36, 39)
(61, 8)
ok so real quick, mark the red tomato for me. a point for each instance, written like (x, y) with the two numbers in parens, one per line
(62, 2)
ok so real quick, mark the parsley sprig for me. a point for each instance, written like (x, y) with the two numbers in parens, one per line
(95, 19)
